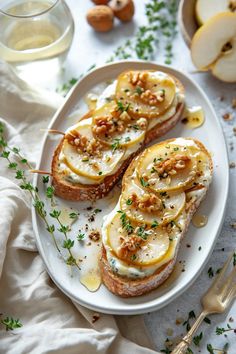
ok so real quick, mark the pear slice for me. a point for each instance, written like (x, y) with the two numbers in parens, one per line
(225, 67)
(132, 132)
(167, 207)
(147, 251)
(152, 162)
(95, 167)
(215, 42)
(131, 91)
(205, 9)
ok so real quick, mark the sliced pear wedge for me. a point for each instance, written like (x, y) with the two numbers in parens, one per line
(160, 208)
(225, 67)
(205, 9)
(131, 133)
(147, 252)
(148, 97)
(214, 46)
(95, 167)
(168, 168)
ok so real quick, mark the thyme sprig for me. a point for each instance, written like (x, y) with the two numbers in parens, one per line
(10, 323)
(160, 23)
(15, 161)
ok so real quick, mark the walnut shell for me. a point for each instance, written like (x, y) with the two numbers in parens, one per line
(101, 18)
(100, 2)
(123, 9)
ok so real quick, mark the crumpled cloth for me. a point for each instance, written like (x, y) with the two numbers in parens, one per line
(52, 323)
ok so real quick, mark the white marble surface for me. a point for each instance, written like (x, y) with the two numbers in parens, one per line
(90, 48)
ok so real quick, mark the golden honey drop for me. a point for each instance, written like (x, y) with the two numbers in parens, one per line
(91, 280)
(199, 220)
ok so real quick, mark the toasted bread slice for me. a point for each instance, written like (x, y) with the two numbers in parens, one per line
(71, 190)
(127, 286)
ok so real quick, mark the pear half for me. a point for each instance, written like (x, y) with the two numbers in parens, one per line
(205, 9)
(214, 46)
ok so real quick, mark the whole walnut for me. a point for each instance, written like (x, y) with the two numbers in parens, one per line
(101, 18)
(123, 9)
(100, 2)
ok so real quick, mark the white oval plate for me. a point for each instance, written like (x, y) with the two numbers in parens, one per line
(213, 206)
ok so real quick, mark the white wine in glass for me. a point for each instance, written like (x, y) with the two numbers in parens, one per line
(35, 34)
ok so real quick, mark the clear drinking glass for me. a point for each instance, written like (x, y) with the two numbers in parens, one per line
(35, 35)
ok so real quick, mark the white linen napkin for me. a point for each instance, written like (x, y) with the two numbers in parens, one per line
(51, 322)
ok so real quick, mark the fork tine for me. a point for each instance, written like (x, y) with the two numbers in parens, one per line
(228, 283)
(231, 295)
(223, 271)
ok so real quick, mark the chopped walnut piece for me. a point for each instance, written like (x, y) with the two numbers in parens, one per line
(94, 235)
(138, 78)
(83, 145)
(142, 123)
(148, 202)
(129, 244)
(111, 124)
(171, 165)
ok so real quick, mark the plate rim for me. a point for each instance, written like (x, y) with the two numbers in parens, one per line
(142, 308)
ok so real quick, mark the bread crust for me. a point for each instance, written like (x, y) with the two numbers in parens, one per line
(81, 192)
(127, 287)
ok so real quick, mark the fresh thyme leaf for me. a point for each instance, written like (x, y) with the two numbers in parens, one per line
(207, 320)
(125, 222)
(80, 237)
(19, 174)
(45, 179)
(50, 192)
(141, 232)
(73, 215)
(210, 349)
(55, 214)
(129, 201)
(138, 90)
(121, 107)
(186, 323)
(50, 228)
(135, 127)
(133, 257)
(96, 211)
(11, 323)
(5, 154)
(68, 244)
(197, 339)
(64, 229)
(154, 224)
(71, 261)
(143, 182)
(210, 272)
(12, 165)
(115, 145)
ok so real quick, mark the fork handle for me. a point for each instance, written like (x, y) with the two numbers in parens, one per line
(186, 341)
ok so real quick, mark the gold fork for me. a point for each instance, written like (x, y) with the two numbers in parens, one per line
(217, 298)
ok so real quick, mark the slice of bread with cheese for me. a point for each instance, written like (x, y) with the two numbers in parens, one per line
(95, 152)
(161, 190)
